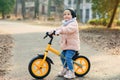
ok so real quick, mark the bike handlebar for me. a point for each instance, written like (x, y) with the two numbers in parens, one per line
(50, 35)
(46, 35)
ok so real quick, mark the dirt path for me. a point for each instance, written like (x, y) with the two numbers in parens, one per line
(6, 44)
(29, 42)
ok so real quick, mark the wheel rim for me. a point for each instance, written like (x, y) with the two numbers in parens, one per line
(84, 68)
(40, 70)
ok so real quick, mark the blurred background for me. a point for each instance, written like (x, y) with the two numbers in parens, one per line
(104, 12)
(24, 22)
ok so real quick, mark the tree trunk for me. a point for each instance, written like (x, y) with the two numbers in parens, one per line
(49, 8)
(78, 9)
(16, 8)
(36, 14)
(3, 15)
(23, 9)
(113, 15)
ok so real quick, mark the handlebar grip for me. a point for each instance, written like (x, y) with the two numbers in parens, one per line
(50, 35)
(46, 35)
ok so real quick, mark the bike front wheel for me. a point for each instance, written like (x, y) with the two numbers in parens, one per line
(37, 70)
(81, 66)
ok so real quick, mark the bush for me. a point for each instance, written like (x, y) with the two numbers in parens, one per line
(51, 18)
(93, 22)
(101, 21)
(8, 16)
(118, 23)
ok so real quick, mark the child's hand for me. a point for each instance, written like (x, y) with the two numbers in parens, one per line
(51, 32)
(57, 32)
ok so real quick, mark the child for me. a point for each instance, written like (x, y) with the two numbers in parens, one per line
(70, 42)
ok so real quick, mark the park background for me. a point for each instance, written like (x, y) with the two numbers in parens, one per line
(99, 24)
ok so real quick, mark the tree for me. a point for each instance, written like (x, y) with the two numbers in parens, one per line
(114, 12)
(6, 7)
(59, 5)
(102, 7)
(23, 8)
(16, 8)
(36, 9)
(78, 9)
(105, 8)
(49, 7)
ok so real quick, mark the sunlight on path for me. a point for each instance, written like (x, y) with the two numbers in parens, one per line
(19, 27)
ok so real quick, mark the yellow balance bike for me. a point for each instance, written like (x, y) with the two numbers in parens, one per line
(40, 66)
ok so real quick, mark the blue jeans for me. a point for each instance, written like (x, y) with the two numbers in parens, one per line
(67, 61)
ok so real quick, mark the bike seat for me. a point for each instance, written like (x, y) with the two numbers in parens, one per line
(76, 54)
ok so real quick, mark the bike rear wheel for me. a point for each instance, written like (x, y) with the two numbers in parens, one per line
(39, 71)
(84, 67)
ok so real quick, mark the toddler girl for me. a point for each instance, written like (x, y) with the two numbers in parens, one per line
(70, 42)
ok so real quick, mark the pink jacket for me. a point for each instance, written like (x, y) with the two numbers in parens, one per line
(69, 36)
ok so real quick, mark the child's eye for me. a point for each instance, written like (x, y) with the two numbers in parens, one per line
(64, 14)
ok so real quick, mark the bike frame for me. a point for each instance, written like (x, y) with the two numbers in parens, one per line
(49, 48)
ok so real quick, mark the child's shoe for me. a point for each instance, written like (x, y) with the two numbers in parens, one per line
(70, 74)
(63, 72)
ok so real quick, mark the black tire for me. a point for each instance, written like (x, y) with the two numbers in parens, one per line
(38, 58)
(78, 68)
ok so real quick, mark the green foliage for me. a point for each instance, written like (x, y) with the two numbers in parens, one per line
(93, 21)
(6, 6)
(51, 18)
(101, 21)
(103, 7)
(118, 23)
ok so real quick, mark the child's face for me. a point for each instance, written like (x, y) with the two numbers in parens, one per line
(67, 15)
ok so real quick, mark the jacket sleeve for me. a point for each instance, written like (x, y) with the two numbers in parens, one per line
(70, 28)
